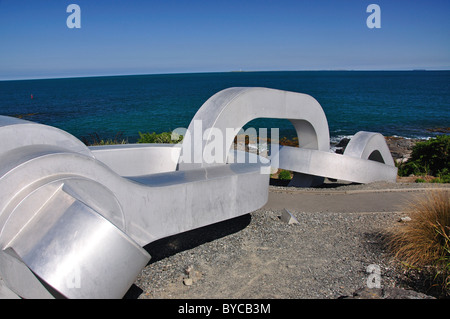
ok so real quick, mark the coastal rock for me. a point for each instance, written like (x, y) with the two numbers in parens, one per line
(340, 147)
(400, 148)
(343, 143)
(445, 130)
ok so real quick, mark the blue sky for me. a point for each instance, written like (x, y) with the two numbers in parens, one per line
(168, 36)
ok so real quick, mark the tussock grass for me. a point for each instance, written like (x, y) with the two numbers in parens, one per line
(424, 242)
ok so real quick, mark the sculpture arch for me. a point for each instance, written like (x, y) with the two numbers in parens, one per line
(235, 107)
(371, 146)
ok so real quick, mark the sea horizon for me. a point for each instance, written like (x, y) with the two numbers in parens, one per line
(403, 103)
(214, 72)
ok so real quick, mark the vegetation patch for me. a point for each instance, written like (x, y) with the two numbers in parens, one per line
(429, 158)
(164, 137)
(94, 139)
(285, 175)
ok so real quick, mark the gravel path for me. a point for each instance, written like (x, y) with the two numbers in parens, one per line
(324, 256)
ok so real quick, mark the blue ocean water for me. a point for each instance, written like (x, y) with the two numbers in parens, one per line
(401, 103)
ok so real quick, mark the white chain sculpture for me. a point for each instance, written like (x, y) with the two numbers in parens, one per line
(74, 219)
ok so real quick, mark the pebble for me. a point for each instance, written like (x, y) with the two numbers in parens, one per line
(188, 281)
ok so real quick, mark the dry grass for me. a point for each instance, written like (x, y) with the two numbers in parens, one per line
(424, 242)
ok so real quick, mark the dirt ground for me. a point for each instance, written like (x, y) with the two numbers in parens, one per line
(326, 255)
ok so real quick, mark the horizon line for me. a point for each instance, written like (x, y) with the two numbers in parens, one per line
(207, 72)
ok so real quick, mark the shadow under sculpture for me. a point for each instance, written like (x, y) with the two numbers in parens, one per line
(74, 219)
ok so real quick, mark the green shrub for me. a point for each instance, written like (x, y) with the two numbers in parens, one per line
(285, 175)
(444, 175)
(441, 179)
(429, 158)
(94, 139)
(164, 137)
(110, 142)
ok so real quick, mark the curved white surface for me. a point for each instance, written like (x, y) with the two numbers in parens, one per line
(150, 207)
(336, 166)
(15, 133)
(371, 146)
(234, 107)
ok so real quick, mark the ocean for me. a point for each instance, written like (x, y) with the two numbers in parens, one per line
(410, 104)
